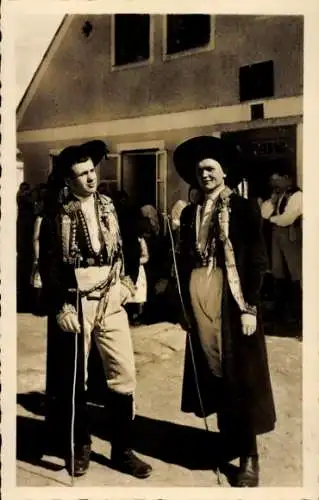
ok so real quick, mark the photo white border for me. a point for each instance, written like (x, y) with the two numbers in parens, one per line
(308, 8)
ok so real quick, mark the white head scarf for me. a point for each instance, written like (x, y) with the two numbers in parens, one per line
(176, 211)
(150, 213)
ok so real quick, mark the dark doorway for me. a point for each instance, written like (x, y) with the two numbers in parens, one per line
(262, 149)
(139, 176)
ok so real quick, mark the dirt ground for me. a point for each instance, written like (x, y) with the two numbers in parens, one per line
(175, 444)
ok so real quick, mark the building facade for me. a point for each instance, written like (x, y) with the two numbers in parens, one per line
(144, 83)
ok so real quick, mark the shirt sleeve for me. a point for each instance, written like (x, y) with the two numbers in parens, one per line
(266, 209)
(144, 251)
(292, 212)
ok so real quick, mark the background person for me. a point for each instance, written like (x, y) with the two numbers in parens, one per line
(24, 225)
(283, 210)
(135, 305)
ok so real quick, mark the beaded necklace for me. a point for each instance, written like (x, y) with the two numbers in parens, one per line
(98, 256)
(73, 220)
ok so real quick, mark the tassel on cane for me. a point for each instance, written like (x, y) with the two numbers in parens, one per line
(219, 482)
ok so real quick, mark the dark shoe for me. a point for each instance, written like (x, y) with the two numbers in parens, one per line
(81, 461)
(248, 472)
(129, 463)
(136, 321)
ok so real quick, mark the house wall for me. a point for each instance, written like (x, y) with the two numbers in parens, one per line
(36, 157)
(79, 86)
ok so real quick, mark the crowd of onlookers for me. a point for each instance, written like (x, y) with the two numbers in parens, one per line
(157, 297)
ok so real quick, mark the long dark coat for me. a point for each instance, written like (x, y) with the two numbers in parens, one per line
(244, 393)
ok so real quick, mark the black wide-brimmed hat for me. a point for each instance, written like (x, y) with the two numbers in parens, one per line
(71, 155)
(189, 153)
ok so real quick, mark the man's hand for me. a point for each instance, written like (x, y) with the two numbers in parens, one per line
(248, 323)
(125, 294)
(68, 321)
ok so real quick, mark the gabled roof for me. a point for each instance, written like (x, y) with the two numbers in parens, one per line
(45, 61)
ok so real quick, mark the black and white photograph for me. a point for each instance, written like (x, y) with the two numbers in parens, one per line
(159, 206)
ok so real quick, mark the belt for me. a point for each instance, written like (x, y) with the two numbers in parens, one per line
(88, 262)
(92, 262)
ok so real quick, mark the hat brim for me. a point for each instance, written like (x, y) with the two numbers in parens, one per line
(189, 153)
(95, 149)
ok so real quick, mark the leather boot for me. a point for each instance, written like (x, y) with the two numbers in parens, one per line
(248, 462)
(248, 471)
(81, 460)
(122, 456)
(78, 465)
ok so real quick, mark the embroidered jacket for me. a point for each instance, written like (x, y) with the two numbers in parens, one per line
(65, 242)
(245, 234)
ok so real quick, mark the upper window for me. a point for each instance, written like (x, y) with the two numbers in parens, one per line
(131, 38)
(186, 32)
(256, 81)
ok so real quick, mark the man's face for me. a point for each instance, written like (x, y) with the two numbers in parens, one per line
(279, 183)
(83, 181)
(210, 175)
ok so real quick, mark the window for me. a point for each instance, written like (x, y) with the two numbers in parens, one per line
(256, 81)
(131, 38)
(109, 170)
(186, 32)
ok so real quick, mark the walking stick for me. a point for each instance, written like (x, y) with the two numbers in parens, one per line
(76, 355)
(188, 332)
(72, 443)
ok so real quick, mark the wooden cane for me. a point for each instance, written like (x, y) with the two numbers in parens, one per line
(77, 261)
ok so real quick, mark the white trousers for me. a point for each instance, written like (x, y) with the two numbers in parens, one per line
(113, 340)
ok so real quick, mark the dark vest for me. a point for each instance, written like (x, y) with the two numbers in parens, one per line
(284, 201)
(86, 250)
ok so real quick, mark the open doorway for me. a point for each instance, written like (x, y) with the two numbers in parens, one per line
(262, 149)
(138, 176)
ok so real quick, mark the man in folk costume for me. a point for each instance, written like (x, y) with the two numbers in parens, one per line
(221, 267)
(81, 265)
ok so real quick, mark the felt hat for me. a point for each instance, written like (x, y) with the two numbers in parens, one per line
(189, 153)
(71, 155)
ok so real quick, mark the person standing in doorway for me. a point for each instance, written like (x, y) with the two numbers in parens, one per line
(221, 266)
(284, 212)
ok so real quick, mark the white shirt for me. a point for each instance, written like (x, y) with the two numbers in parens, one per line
(88, 209)
(207, 210)
(292, 211)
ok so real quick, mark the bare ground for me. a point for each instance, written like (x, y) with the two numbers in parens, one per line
(176, 444)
